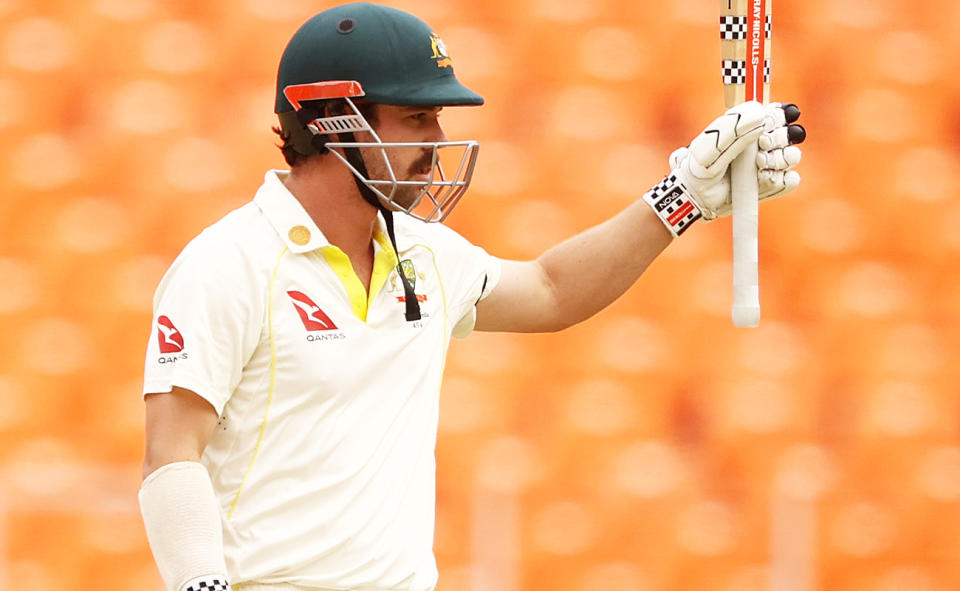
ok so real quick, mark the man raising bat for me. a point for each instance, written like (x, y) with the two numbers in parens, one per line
(292, 382)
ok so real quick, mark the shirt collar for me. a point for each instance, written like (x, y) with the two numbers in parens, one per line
(287, 216)
(292, 222)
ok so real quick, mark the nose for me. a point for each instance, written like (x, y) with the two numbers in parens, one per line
(436, 132)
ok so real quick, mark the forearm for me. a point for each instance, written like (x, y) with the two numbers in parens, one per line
(580, 276)
(180, 510)
(182, 521)
(592, 269)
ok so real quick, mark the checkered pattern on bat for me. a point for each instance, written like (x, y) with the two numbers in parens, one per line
(735, 71)
(209, 584)
(734, 28)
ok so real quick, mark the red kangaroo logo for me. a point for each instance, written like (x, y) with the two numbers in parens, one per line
(312, 316)
(171, 341)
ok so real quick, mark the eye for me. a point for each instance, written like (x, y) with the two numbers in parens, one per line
(425, 115)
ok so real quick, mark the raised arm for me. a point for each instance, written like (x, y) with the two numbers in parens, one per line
(582, 275)
(576, 278)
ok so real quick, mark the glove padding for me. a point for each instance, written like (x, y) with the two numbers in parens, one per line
(704, 166)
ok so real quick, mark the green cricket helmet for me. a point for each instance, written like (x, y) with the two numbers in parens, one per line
(365, 52)
(395, 56)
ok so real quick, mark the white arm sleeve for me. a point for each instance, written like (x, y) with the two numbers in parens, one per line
(182, 519)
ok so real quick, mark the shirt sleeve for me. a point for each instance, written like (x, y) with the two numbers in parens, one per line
(207, 321)
(472, 274)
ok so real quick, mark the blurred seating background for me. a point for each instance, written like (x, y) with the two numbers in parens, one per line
(653, 448)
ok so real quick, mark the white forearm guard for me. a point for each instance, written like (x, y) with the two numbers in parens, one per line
(182, 519)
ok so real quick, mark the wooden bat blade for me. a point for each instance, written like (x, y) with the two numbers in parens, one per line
(745, 35)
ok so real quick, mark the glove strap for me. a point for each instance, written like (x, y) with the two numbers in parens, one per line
(673, 205)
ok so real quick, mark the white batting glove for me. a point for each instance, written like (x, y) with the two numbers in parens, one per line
(778, 153)
(699, 183)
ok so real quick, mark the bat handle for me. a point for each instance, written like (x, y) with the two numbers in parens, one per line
(746, 277)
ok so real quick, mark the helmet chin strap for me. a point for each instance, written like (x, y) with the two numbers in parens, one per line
(356, 160)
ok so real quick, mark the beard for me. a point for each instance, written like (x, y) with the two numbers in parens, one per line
(405, 196)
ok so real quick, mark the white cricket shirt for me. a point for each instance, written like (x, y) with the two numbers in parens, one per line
(323, 458)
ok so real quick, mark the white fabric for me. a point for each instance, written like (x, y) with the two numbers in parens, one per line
(182, 520)
(323, 458)
(273, 587)
(703, 167)
(286, 587)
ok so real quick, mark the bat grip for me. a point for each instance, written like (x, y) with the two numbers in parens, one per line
(746, 284)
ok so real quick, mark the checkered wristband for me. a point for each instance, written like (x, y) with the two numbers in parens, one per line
(207, 583)
(672, 203)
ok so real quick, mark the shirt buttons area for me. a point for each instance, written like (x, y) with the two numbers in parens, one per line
(299, 235)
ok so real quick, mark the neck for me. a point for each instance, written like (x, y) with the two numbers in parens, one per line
(331, 198)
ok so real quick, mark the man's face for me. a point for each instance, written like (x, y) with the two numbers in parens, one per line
(404, 124)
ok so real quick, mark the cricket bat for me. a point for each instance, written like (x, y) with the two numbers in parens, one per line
(745, 34)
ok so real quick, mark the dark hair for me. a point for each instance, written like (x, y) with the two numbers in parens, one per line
(334, 107)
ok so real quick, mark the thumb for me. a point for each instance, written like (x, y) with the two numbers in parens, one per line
(676, 157)
(724, 139)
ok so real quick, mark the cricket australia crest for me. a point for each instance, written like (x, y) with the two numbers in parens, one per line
(409, 271)
(439, 52)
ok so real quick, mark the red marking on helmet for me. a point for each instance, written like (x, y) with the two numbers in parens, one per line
(330, 89)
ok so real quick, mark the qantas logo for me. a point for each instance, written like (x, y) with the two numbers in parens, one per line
(312, 316)
(171, 341)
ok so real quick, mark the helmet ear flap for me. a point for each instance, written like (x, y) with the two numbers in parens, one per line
(307, 114)
(298, 133)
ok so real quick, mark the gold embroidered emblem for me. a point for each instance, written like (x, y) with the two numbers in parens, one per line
(439, 52)
(299, 235)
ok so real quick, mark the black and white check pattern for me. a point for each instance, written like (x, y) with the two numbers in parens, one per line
(208, 584)
(658, 191)
(734, 28)
(673, 205)
(735, 71)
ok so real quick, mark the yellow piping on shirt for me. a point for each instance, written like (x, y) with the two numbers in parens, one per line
(273, 373)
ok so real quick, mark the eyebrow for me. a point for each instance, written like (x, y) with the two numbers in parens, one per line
(436, 108)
